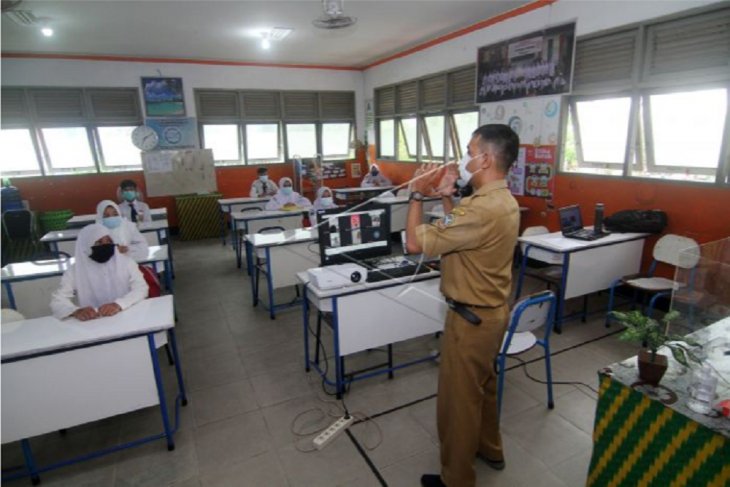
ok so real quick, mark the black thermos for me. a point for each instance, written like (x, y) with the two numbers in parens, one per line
(598, 224)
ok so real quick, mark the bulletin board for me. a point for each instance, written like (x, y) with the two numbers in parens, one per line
(537, 122)
(171, 173)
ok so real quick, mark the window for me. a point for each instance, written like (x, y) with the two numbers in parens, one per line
(301, 139)
(68, 148)
(386, 132)
(224, 141)
(465, 124)
(19, 155)
(262, 142)
(336, 138)
(432, 142)
(408, 139)
(117, 148)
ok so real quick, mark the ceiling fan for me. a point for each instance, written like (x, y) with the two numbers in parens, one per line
(334, 16)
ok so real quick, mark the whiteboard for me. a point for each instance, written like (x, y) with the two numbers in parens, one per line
(170, 173)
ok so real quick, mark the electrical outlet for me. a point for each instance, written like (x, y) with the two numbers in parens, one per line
(328, 435)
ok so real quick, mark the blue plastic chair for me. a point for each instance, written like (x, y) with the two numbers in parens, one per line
(528, 314)
(667, 250)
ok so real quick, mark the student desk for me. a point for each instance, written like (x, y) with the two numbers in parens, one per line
(240, 204)
(284, 255)
(588, 267)
(156, 232)
(80, 221)
(32, 298)
(249, 222)
(371, 315)
(57, 375)
(399, 210)
(350, 195)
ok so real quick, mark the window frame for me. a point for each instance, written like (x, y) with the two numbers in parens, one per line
(280, 143)
(241, 146)
(400, 132)
(47, 159)
(97, 140)
(456, 142)
(351, 138)
(394, 157)
(426, 138)
(36, 148)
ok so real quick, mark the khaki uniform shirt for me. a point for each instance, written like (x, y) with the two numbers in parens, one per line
(476, 242)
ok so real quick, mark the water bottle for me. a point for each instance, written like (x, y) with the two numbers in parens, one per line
(702, 390)
(598, 223)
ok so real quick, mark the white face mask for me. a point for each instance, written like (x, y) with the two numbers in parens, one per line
(464, 173)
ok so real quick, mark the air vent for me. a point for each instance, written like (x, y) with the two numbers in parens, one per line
(24, 18)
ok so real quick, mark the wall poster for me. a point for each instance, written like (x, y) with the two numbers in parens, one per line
(537, 122)
(163, 97)
(535, 64)
(175, 133)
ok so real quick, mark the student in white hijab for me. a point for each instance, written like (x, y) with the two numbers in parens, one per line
(324, 201)
(375, 178)
(104, 281)
(287, 199)
(123, 232)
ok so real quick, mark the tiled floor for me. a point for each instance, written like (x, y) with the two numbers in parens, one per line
(248, 389)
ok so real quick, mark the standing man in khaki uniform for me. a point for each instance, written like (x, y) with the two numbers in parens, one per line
(476, 241)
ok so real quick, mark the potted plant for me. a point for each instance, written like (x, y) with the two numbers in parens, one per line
(653, 336)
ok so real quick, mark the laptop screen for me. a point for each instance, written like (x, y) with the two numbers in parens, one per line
(570, 220)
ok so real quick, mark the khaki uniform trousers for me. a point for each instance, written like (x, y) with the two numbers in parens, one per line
(467, 416)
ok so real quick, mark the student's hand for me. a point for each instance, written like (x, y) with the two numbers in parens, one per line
(85, 314)
(109, 309)
(123, 249)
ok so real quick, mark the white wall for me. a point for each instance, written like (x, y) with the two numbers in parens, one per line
(592, 16)
(51, 72)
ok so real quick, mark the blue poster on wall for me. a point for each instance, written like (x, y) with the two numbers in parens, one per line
(175, 133)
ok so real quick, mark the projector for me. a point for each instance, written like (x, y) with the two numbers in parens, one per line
(335, 276)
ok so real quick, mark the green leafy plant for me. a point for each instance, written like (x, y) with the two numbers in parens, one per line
(651, 334)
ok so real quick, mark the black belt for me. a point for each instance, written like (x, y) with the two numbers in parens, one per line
(462, 310)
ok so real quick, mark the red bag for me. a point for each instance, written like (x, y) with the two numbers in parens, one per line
(152, 281)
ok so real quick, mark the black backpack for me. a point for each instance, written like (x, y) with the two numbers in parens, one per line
(638, 221)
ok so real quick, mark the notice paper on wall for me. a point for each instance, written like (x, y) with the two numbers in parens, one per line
(158, 162)
(537, 122)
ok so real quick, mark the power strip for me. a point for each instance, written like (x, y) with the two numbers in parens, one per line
(327, 436)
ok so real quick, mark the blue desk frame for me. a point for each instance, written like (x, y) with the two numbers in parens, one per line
(266, 270)
(340, 380)
(559, 318)
(33, 471)
(222, 223)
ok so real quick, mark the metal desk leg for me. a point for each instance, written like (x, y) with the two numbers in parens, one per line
(339, 381)
(270, 283)
(11, 296)
(222, 224)
(168, 239)
(30, 462)
(558, 326)
(161, 392)
(305, 308)
(168, 277)
(249, 257)
(178, 370)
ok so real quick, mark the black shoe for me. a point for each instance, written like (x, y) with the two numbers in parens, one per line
(496, 465)
(430, 480)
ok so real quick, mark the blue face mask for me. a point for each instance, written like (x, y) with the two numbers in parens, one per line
(287, 190)
(111, 221)
(129, 195)
(264, 178)
(327, 200)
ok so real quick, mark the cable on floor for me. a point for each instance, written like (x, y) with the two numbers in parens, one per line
(535, 379)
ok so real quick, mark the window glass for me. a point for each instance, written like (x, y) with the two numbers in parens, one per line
(387, 143)
(408, 139)
(68, 148)
(117, 147)
(434, 127)
(466, 124)
(18, 152)
(223, 139)
(604, 129)
(262, 142)
(336, 138)
(301, 139)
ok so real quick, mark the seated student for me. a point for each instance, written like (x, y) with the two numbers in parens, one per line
(262, 187)
(132, 208)
(324, 201)
(375, 178)
(104, 281)
(286, 198)
(123, 232)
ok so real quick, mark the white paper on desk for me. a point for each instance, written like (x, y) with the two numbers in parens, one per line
(158, 162)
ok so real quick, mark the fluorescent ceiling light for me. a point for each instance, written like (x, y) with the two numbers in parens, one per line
(265, 43)
(47, 31)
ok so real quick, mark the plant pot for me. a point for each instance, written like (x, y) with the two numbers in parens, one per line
(651, 372)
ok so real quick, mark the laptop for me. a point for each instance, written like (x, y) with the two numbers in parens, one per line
(571, 225)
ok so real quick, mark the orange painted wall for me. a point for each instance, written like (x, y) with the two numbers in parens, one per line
(695, 211)
(81, 193)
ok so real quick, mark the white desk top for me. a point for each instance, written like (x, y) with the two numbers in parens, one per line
(91, 218)
(55, 267)
(288, 237)
(73, 233)
(48, 334)
(233, 201)
(399, 200)
(557, 243)
(360, 190)
(264, 214)
(362, 286)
